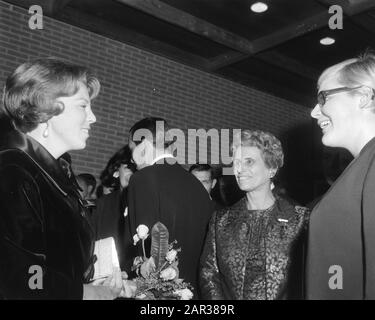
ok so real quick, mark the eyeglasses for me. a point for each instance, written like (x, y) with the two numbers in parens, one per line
(322, 95)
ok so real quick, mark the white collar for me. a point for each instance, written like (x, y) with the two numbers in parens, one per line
(163, 156)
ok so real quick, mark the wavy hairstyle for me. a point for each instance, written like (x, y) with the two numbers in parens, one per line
(267, 143)
(30, 92)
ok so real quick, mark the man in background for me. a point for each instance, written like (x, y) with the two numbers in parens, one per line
(164, 191)
(87, 184)
(205, 174)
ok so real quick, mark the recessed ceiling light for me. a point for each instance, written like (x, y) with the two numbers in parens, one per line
(259, 7)
(327, 41)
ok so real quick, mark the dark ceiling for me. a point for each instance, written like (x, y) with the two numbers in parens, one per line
(277, 51)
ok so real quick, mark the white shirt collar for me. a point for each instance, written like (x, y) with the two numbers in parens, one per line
(163, 156)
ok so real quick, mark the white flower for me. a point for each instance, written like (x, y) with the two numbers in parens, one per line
(142, 232)
(171, 255)
(185, 294)
(136, 239)
(168, 274)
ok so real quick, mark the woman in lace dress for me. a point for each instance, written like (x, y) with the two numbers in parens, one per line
(249, 247)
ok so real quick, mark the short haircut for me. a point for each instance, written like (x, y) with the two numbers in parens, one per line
(202, 167)
(30, 92)
(148, 128)
(267, 143)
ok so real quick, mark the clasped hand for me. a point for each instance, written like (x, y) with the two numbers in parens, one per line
(109, 288)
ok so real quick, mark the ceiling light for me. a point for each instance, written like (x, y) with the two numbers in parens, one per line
(259, 7)
(327, 41)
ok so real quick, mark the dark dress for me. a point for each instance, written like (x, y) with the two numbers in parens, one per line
(249, 254)
(342, 235)
(111, 220)
(42, 223)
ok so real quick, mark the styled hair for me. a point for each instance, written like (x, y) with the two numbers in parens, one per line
(267, 143)
(355, 72)
(202, 167)
(30, 92)
(122, 156)
(147, 128)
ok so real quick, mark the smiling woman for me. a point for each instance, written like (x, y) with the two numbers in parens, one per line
(341, 232)
(70, 129)
(46, 112)
(253, 246)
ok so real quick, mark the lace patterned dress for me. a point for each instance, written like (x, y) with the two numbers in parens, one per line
(247, 253)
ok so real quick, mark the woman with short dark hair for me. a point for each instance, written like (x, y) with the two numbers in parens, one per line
(43, 223)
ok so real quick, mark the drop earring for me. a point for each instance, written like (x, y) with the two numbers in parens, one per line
(272, 174)
(45, 132)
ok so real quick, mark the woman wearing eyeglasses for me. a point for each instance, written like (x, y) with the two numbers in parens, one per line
(341, 252)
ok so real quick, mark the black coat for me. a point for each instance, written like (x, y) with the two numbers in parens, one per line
(109, 221)
(171, 195)
(42, 222)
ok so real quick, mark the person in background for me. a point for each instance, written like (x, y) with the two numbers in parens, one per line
(249, 252)
(109, 182)
(341, 258)
(46, 112)
(66, 164)
(162, 190)
(205, 174)
(87, 184)
(110, 218)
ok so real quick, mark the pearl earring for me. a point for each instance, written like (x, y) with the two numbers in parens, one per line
(45, 132)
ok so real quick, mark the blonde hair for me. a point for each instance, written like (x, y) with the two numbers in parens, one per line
(351, 73)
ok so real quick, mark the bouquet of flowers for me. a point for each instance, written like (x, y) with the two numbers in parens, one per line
(158, 275)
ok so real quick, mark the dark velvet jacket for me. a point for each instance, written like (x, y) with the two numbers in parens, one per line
(42, 223)
(254, 254)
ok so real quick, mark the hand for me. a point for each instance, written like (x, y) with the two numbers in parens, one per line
(97, 292)
(147, 267)
(109, 287)
(124, 275)
(129, 289)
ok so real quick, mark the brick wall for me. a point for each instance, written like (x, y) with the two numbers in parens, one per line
(137, 83)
